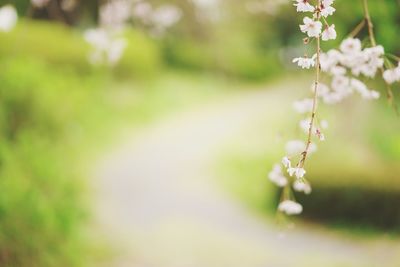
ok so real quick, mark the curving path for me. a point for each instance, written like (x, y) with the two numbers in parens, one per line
(158, 206)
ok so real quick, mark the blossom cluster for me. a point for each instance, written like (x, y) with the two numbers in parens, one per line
(65, 5)
(314, 26)
(207, 10)
(345, 66)
(108, 46)
(8, 18)
(40, 3)
(107, 41)
(392, 75)
(157, 19)
(265, 6)
(346, 69)
(115, 14)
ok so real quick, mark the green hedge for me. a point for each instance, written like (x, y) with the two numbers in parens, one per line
(64, 47)
(237, 58)
(354, 206)
(41, 209)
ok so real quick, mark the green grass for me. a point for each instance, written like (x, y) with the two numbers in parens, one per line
(53, 121)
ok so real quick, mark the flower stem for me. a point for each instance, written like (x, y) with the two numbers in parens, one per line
(367, 16)
(369, 23)
(357, 29)
(393, 57)
(315, 96)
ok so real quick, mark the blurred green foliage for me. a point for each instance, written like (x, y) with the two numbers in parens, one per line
(55, 109)
(59, 45)
(238, 44)
(237, 59)
(253, 46)
(40, 203)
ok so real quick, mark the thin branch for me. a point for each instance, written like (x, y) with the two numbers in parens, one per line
(357, 29)
(393, 56)
(369, 23)
(389, 92)
(315, 96)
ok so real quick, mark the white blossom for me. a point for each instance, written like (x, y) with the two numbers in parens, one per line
(8, 18)
(97, 37)
(295, 147)
(351, 57)
(324, 124)
(327, 2)
(363, 90)
(286, 162)
(330, 60)
(39, 3)
(375, 51)
(311, 27)
(305, 62)
(321, 88)
(391, 75)
(312, 148)
(303, 6)
(276, 176)
(107, 48)
(166, 15)
(329, 33)
(268, 7)
(296, 171)
(143, 11)
(290, 207)
(206, 3)
(116, 50)
(398, 70)
(333, 98)
(305, 125)
(341, 84)
(350, 46)
(338, 71)
(68, 5)
(327, 9)
(368, 70)
(359, 86)
(319, 134)
(373, 60)
(373, 95)
(300, 172)
(301, 186)
(114, 14)
(303, 106)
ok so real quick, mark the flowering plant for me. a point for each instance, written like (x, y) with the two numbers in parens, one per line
(107, 40)
(344, 67)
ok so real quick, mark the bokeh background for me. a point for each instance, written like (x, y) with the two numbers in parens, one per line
(155, 151)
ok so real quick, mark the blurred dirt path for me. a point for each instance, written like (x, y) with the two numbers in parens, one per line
(158, 206)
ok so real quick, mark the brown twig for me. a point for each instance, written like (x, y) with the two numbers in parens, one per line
(357, 29)
(370, 25)
(315, 96)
